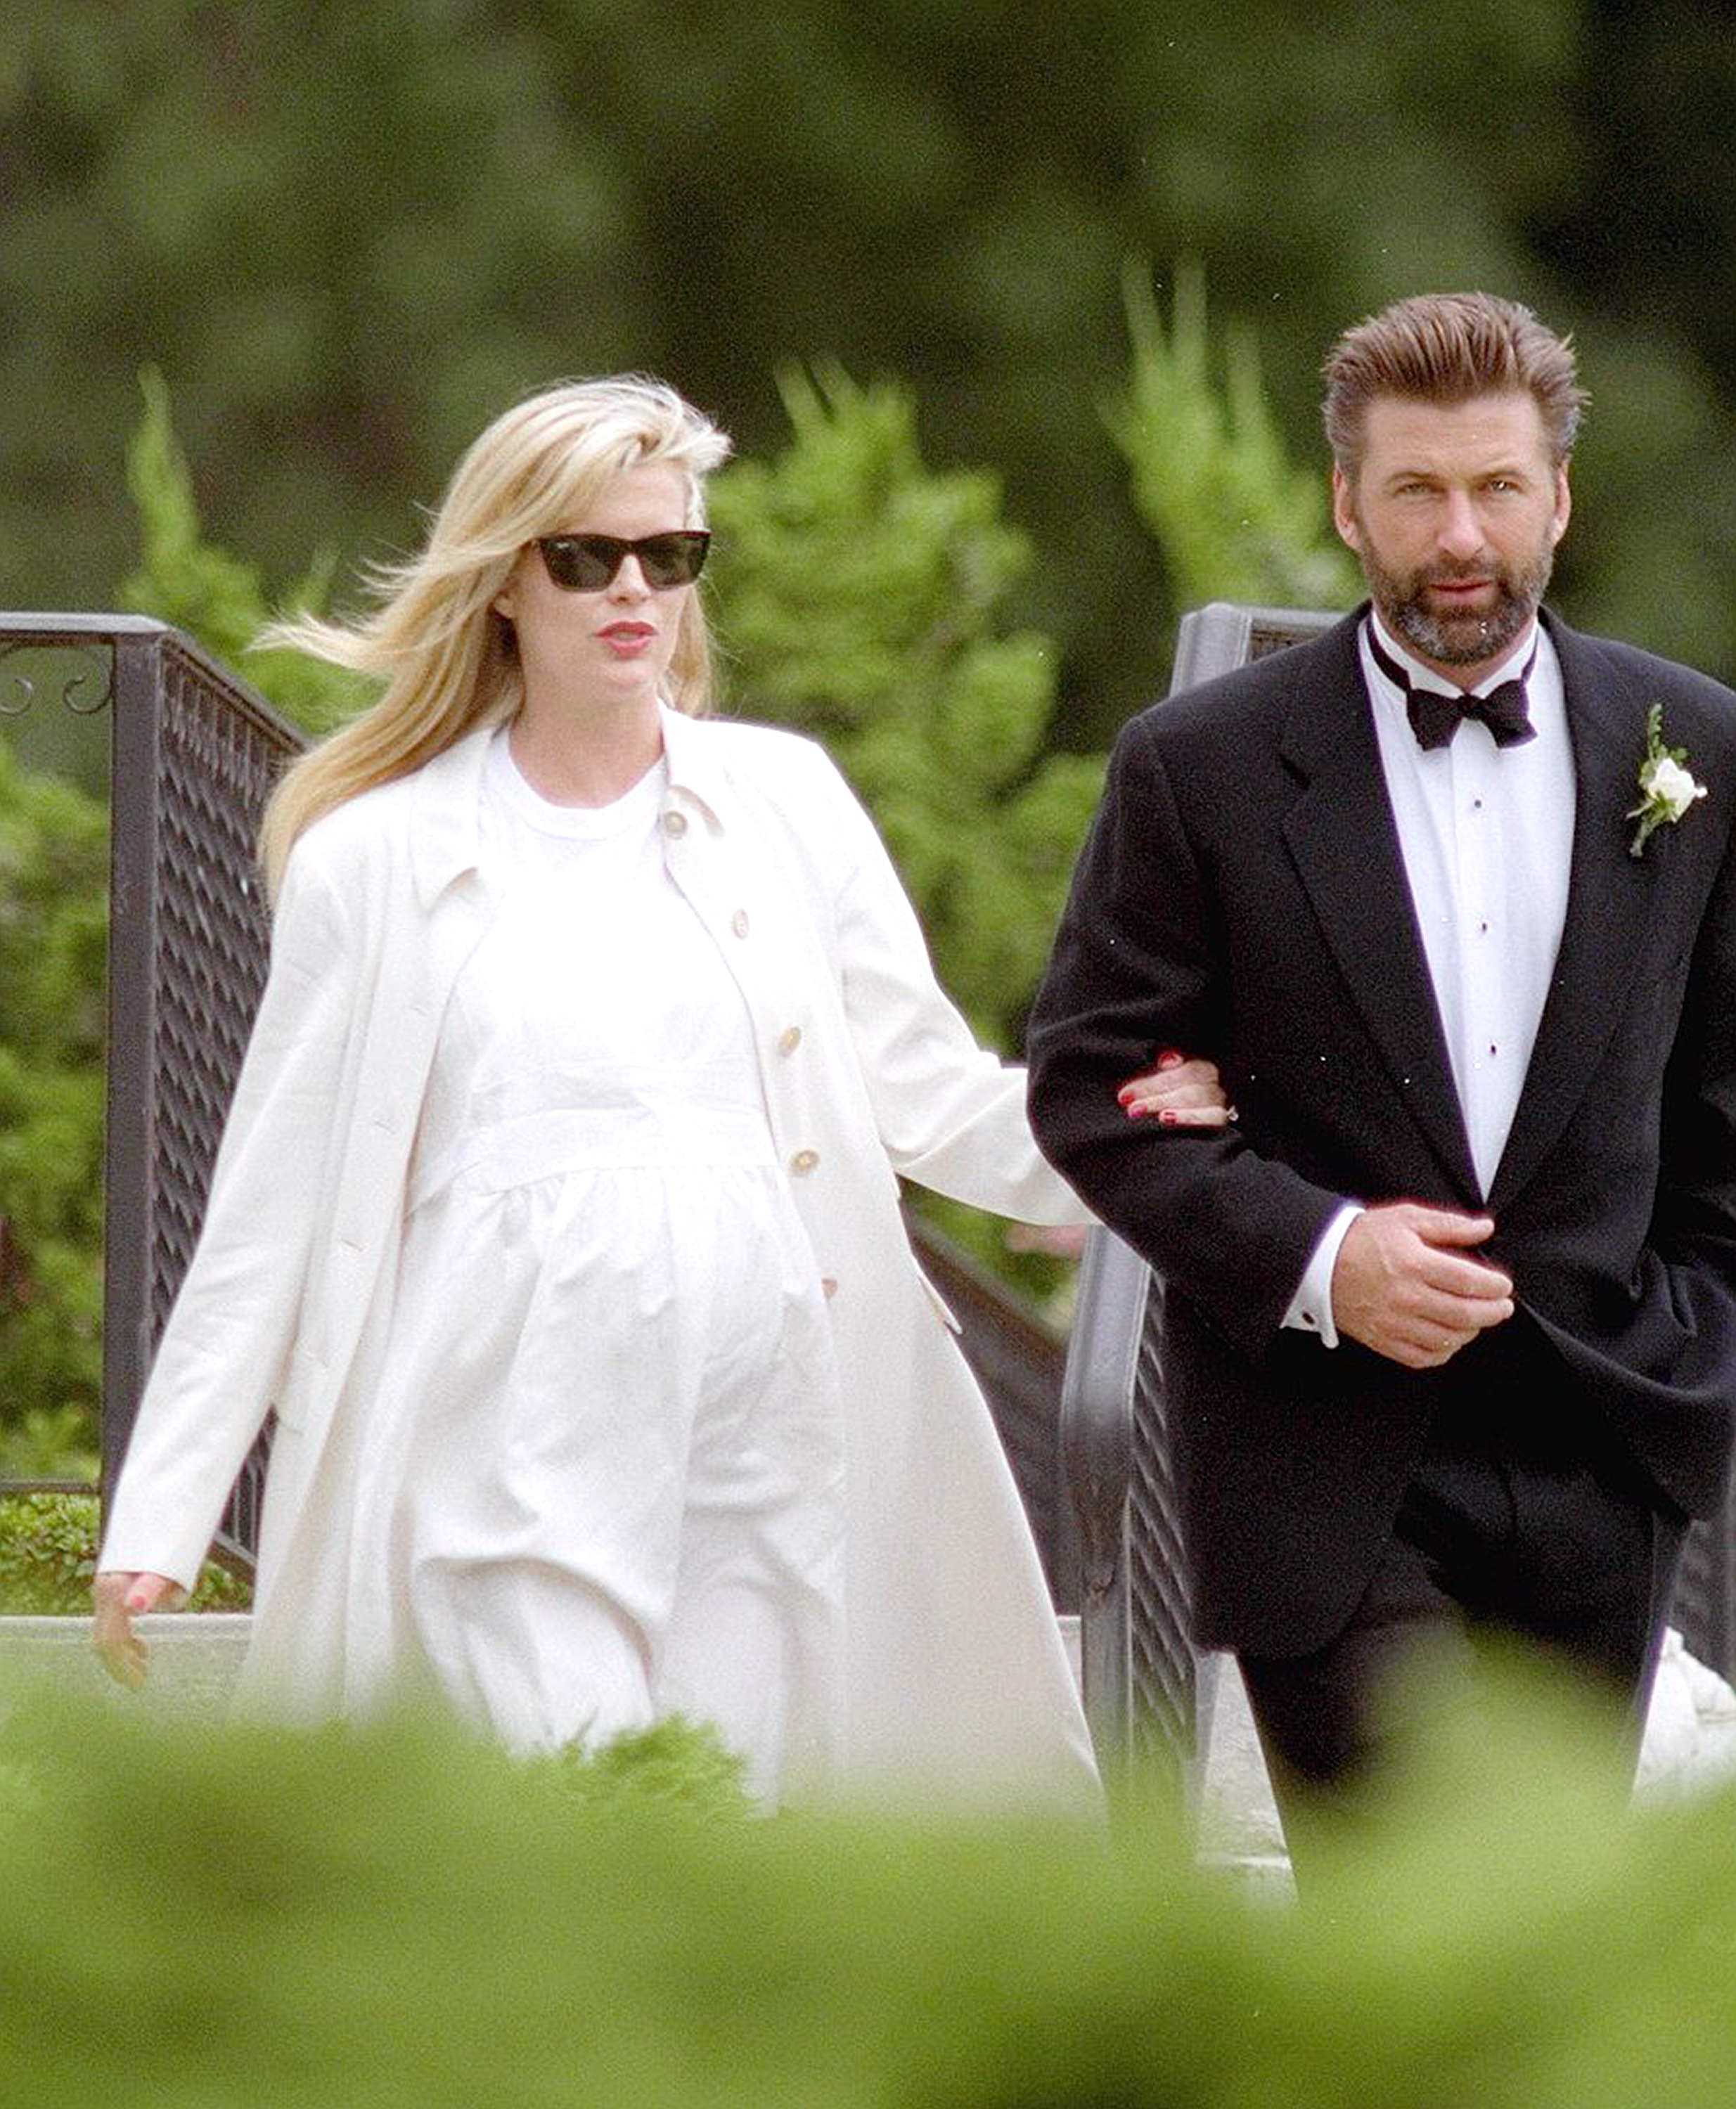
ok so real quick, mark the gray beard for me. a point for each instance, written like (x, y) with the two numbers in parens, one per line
(1458, 640)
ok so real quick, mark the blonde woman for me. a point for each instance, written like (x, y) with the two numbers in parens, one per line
(557, 1216)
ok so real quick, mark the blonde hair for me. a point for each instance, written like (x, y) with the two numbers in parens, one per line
(1449, 348)
(433, 635)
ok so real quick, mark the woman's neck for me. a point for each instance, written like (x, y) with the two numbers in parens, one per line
(588, 759)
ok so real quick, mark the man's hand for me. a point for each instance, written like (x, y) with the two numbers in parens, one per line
(1406, 1285)
(118, 1596)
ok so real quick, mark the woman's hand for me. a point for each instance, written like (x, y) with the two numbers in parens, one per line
(118, 1597)
(1178, 1092)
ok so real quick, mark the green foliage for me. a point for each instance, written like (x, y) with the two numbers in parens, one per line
(51, 1442)
(53, 877)
(185, 580)
(867, 598)
(677, 1764)
(400, 1918)
(48, 1557)
(1235, 519)
(349, 235)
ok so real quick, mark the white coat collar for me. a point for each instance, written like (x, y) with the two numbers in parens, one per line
(697, 779)
(446, 795)
(446, 815)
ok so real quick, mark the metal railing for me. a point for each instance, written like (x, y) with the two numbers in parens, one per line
(1019, 1362)
(193, 752)
(1145, 1691)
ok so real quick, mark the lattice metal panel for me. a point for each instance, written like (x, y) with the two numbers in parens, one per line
(217, 765)
(1163, 1663)
(195, 754)
(1018, 1364)
(212, 936)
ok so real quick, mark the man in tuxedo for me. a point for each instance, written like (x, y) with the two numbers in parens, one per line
(1450, 1310)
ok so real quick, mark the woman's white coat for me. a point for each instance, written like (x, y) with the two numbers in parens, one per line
(954, 1673)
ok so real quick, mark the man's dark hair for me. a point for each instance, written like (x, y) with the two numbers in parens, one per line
(1449, 348)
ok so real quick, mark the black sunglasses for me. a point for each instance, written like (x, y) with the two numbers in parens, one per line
(586, 563)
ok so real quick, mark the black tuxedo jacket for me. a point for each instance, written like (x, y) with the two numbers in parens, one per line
(1241, 895)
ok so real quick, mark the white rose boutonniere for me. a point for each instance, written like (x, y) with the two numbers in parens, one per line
(1666, 790)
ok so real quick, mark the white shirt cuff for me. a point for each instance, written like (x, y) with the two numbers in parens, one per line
(1311, 1308)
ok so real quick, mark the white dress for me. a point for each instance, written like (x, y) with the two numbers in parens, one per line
(604, 1479)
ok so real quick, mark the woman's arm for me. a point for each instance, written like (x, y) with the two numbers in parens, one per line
(221, 1360)
(949, 1113)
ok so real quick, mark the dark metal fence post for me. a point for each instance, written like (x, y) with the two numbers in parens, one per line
(135, 793)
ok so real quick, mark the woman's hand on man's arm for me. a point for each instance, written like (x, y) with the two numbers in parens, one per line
(1179, 1090)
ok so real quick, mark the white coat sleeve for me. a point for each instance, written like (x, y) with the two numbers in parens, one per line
(227, 1346)
(951, 1114)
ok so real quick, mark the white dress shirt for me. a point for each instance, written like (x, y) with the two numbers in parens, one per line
(1486, 836)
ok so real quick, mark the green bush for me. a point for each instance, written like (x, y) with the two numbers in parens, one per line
(1236, 519)
(865, 598)
(53, 889)
(48, 1555)
(217, 597)
(401, 1919)
(680, 1765)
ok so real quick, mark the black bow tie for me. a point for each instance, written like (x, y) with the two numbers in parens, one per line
(1435, 718)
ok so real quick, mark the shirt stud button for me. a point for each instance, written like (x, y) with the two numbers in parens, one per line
(739, 922)
(789, 1040)
(675, 824)
(828, 1285)
(803, 1162)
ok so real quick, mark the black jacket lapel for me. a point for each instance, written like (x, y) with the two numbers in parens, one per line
(1608, 896)
(1341, 835)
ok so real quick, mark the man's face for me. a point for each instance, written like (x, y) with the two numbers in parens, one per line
(1455, 512)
